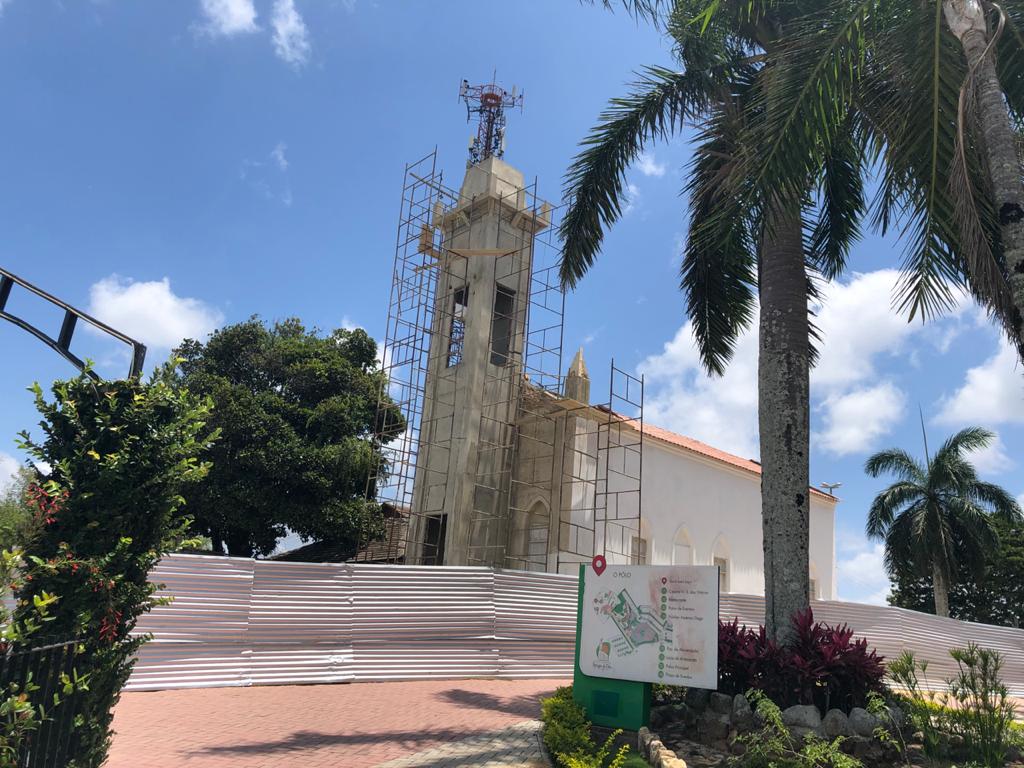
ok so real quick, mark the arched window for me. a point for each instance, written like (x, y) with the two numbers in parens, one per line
(720, 557)
(682, 548)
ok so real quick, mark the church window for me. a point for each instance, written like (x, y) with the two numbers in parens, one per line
(723, 573)
(638, 551)
(457, 332)
(501, 325)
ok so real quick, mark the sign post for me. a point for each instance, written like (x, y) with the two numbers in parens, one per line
(642, 624)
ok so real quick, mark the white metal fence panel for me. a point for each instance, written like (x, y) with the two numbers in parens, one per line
(243, 622)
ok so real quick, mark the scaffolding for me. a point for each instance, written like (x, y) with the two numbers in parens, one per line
(600, 511)
(535, 481)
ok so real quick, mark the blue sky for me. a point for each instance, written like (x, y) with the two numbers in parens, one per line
(171, 166)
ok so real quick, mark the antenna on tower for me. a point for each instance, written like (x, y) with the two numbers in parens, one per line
(488, 103)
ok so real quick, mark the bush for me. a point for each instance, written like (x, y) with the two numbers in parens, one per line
(772, 746)
(567, 735)
(824, 665)
(119, 453)
(983, 710)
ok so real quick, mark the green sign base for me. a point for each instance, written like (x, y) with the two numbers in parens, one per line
(611, 703)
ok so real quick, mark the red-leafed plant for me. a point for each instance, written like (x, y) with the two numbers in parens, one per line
(825, 666)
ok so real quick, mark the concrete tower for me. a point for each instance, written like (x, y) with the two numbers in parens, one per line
(475, 369)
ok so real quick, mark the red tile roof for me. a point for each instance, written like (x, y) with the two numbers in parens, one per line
(696, 446)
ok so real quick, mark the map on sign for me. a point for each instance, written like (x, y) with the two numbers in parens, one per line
(654, 624)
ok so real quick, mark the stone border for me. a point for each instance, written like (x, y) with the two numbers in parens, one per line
(655, 752)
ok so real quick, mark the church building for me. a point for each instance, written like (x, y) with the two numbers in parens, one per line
(499, 458)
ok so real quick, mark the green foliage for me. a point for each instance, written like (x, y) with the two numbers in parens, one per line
(21, 710)
(920, 701)
(120, 454)
(937, 518)
(567, 735)
(983, 710)
(297, 412)
(772, 746)
(15, 510)
(996, 596)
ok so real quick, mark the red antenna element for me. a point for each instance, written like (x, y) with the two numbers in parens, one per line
(488, 102)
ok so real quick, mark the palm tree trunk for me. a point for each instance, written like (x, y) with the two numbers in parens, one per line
(940, 585)
(966, 19)
(784, 418)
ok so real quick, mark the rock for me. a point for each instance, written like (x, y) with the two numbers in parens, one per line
(836, 723)
(742, 717)
(660, 716)
(697, 698)
(897, 716)
(672, 762)
(802, 716)
(800, 734)
(713, 726)
(863, 722)
(917, 737)
(721, 703)
(864, 748)
(644, 737)
(956, 740)
(654, 748)
(683, 714)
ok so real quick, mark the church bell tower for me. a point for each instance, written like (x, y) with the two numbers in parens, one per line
(483, 257)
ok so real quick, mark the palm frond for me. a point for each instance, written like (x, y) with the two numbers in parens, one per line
(898, 462)
(595, 182)
(719, 267)
(888, 505)
(965, 441)
(841, 206)
(1002, 504)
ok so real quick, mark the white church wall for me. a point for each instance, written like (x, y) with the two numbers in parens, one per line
(703, 509)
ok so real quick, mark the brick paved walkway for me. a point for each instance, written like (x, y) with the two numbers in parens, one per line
(515, 747)
(319, 726)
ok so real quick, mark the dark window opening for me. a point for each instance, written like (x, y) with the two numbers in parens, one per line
(433, 544)
(457, 331)
(501, 325)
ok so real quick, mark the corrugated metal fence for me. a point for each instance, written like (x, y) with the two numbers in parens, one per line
(258, 622)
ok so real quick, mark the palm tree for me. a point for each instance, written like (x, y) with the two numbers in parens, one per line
(733, 248)
(937, 517)
(938, 106)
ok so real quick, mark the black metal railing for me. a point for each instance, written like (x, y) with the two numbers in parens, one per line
(40, 672)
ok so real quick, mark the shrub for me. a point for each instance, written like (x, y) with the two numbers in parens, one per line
(983, 710)
(824, 665)
(119, 453)
(567, 735)
(925, 714)
(772, 746)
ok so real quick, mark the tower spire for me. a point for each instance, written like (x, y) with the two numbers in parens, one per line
(577, 381)
(488, 102)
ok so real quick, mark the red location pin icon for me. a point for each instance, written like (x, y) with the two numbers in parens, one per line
(664, 580)
(599, 564)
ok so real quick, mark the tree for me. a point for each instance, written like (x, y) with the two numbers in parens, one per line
(297, 412)
(996, 596)
(15, 510)
(120, 454)
(938, 106)
(736, 242)
(937, 518)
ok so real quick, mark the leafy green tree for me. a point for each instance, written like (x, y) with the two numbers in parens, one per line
(937, 518)
(15, 510)
(297, 413)
(995, 596)
(120, 454)
(737, 242)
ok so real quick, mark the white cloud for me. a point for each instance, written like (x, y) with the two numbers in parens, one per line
(854, 421)
(228, 17)
(993, 460)
(277, 155)
(632, 198)
(992, 393)
(291, 37)
(648, 166)
(721, 411)
(4, 3)
(8, 464)
(860, 570)
(348, 324)
(860, 325)
(151, 312)
(859, 329)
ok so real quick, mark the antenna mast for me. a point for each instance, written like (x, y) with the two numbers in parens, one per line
(488, 103)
